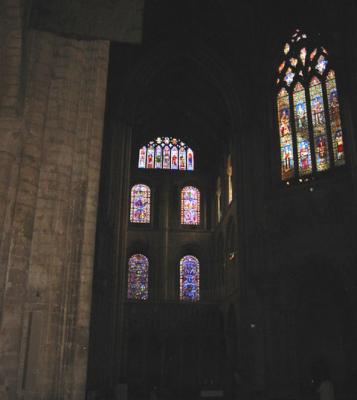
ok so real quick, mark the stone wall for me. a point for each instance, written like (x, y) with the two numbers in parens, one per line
(51, 120)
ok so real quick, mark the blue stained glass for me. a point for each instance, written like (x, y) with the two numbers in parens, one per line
(138, 277)
(140, 204)
(189, 278)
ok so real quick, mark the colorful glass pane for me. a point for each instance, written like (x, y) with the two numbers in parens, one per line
(166, 158)
(190, 206)
(166, 153)
(150, 157)
(281, 66)
(285, 133)
(303, 55)
(289, 76)
(140, 204)
(174, 158)
(182, 158)
(142, 157)
(321, 64)
(190, 161)
(293, 61)
(313, 54)
(335, 119)
(189, 279)
(302, 131)
(138, 277)
(158, 157)
(230, 183)
(319, 125)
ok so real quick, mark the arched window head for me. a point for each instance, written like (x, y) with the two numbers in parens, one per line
(140, 204)
(166, 153)
(310, 130)
(138, 277)
(229, 177)
(190, 206)
(189, 278)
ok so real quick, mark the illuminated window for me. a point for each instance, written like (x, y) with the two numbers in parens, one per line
(140, 204)
(310, 129)
(229, 176)
(190, 206)
(218, 199)
(138, 277)
(166, 153)
(189, 278)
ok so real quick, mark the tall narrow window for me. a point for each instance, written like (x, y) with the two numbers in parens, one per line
(335, 119)
(286, 141)
(166, 153)
(229, 176)
(138, 277)
(140, 204)
(218, 199)
(189, 278)
(190, 206)
(310, 130)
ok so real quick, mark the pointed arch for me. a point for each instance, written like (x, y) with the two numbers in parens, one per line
(140, 204)
(309, 121)
(138, 277)
(189, 278)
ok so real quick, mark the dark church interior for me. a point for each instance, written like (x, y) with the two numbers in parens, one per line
(178, 200)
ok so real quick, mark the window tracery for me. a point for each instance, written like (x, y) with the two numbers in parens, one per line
(310, 131)
(166, 153)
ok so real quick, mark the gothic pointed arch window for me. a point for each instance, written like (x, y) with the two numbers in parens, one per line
(310, 129)
(138, 277)
(189, 278)
(190, 206)
(166, 153)
(140, 204)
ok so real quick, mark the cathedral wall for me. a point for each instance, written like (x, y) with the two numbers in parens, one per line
(50, 160)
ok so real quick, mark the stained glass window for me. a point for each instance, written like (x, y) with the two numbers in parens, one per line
(138, 277)
(229, 176)
(302, 130)
(309, 121)
(319, 125)
(166, 153)
(335, 119)
(189, 278)
(286, 141)
(190, 206)
(140, 204)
